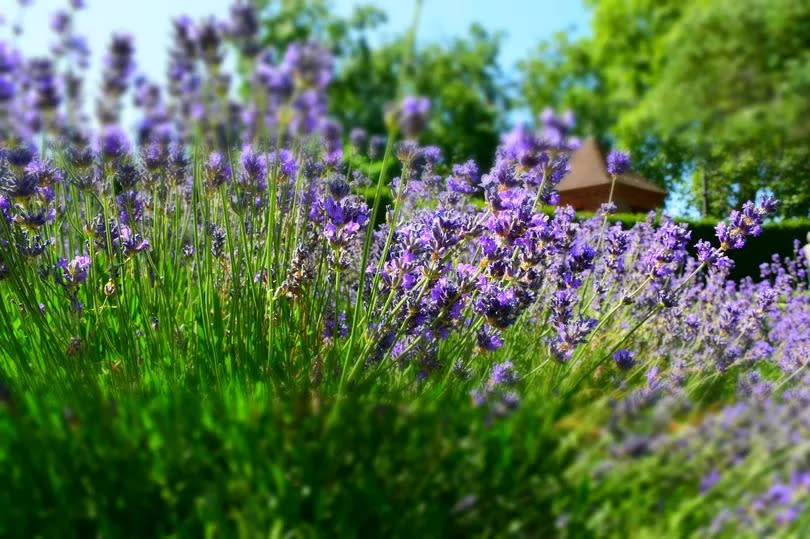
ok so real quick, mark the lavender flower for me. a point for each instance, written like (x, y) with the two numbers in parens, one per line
(217, 171)
(7, 90)
(743, 224)
(500, 307)
(218, 237)
(503, 374)
(358, 138)
(80, 157)
(617, 162)
(118, 68)
(60, 21)
(624, 359)
(132, 243)
(465, 178)
(309, 64)
(113, 143)
(668, 251)
(345, 218)
(489, 339)
(376, 145)
(47, 92)
(412, 115)
(75, 271)
(209, 41)
(244, 26)
(254, 170)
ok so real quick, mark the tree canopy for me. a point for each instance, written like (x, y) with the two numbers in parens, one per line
(713, 91)
(461, 77)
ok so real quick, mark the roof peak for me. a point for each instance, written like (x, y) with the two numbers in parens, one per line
(588, 169)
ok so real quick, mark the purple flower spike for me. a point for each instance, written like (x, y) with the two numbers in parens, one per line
(114, 142)
(489, 339)
(7, 89)
(413, 115)
(624, 359)
(217, 171)
(132, 243)
(74, 271)
(744, 223)
(309, 64)
(503, 374)
(617, 162)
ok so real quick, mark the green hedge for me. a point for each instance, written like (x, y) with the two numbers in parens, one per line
(776, 238)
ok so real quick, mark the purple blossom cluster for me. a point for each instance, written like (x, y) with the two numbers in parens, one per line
(763, 425)
(496, 395)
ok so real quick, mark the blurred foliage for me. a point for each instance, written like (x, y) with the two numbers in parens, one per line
(707, 89)
(468, 91)
(248, 465)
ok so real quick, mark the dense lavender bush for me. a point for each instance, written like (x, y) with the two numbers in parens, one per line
(225, 248)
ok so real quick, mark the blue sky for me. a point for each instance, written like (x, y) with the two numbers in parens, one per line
(525, 22)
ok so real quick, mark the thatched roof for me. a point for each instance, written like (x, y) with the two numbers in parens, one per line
(588, 169)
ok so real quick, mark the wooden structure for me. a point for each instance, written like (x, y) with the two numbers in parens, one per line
(587, 186)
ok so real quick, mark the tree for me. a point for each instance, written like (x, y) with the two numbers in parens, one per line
(462, 78)
(716, 91)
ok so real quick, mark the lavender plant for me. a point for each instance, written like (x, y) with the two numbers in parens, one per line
(225, 247)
